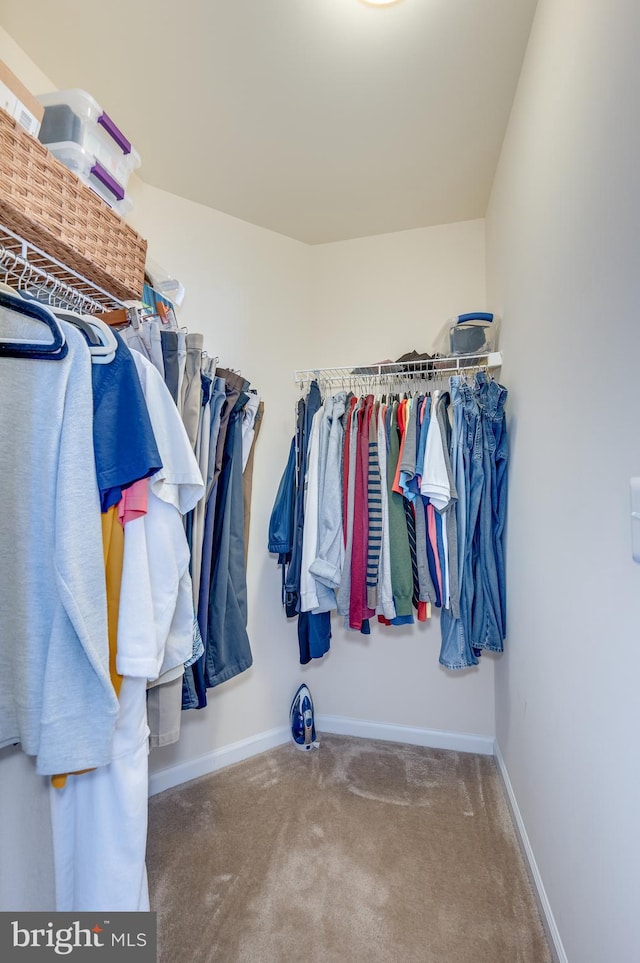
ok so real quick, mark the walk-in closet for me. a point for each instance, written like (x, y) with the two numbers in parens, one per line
(320, 532)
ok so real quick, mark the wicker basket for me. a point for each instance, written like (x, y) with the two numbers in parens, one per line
(48, 205)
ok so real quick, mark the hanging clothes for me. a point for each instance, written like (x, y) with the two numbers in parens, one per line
(399, 505)
(209, 400)
(56, 696)
(401, 567)
(154, 636)
(326, 566)
(99, 819)
(349, 482)
(97, 589)
(247, 474)
(192, 386)
(203, 442)
(227, 647)
(156, 625)
(314, 628)
(215, 410)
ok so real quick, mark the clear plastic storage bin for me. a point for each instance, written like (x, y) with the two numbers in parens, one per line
(90, 170)
(74, 116)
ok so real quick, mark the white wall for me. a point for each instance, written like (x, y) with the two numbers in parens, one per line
(562, 236)
(272, 305)
(374, 299)
(23, 67)
(247, 292)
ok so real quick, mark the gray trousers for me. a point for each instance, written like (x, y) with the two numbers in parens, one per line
(192, 387)
(164, 712)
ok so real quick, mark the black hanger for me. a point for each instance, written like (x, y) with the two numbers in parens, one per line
(53, 350)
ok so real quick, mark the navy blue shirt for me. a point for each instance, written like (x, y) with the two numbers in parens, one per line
(123, 440)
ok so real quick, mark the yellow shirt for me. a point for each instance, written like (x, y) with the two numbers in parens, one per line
(113, 549)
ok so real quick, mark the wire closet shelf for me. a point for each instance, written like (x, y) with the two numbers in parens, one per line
(399, 372)
(26, 267)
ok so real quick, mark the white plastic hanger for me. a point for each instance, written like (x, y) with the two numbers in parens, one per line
(107, 337)
(100, 340)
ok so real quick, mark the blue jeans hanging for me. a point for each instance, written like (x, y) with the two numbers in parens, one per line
(490, 610)
(456, 651)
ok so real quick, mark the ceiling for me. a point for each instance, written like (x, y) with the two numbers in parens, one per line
(320, 119)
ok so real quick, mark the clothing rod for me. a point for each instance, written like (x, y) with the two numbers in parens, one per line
(400, 370)
(31, 269)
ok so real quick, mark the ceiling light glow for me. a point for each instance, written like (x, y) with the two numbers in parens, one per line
(380, 3)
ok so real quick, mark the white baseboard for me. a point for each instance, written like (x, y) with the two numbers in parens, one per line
(434, 738)
(545, 906)
(340, 725)
(218, 759)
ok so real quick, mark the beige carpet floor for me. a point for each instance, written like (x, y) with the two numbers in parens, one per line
(359, 852)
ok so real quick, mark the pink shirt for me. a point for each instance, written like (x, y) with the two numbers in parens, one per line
(133, 503)
(433, 538)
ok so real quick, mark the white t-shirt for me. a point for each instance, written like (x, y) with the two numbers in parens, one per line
(435, 480)
(155, 624)
(249, 426)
